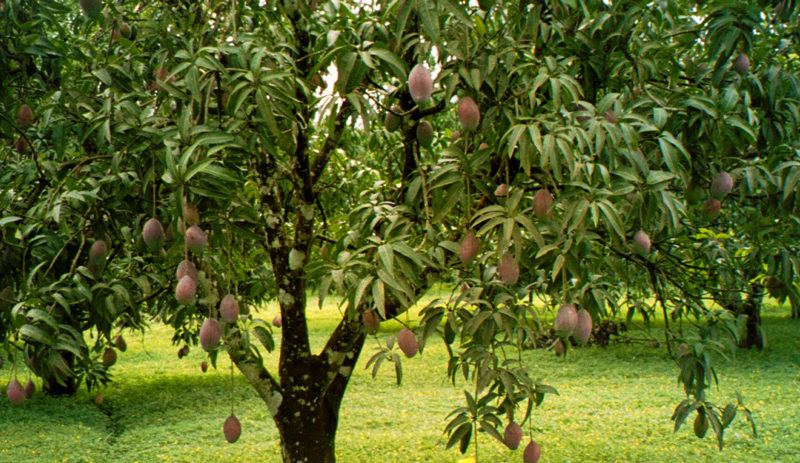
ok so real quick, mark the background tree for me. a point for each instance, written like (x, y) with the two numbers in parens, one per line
(576, 154)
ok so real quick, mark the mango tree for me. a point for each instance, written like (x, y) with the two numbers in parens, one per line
(581, 160)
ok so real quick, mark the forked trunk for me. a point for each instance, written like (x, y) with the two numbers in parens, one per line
(308, 415)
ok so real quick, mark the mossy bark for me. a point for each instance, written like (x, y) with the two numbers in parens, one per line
(309, 416)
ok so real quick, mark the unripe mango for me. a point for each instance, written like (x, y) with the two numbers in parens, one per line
(559, 347)
(15, 392)
(468, 114)
(532, 453)
(775, 287)
(501, 191)
(232, 429)
(153, 233)
(425, 134)
(186, 268)
(97, 256)
(109, 357)
(196, 239)
(741, 63)
(371, 321)
(721, 185)
(711, 208)
(98, 251)
(470, 246)
(210, 333)
(125, 30)
(583, 329)
(30, 389)
(542, 201)
(229, 309)
(508, 270)
(24, 116)
(641, 243)
(186, 290)
(21, 145)
(393, 119)
(120, 343)
(407, 342)
(512, 435)
(420, 84)
(566, 320)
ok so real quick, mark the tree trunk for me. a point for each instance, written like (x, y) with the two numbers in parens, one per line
(751, 308)
(308, 434)
(51, 385)
(309, 412)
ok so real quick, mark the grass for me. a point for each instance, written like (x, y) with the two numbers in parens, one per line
(615, 405)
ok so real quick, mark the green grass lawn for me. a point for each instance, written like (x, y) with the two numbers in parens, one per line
(615, 405)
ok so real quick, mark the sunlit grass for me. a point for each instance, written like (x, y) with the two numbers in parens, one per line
(614, 405)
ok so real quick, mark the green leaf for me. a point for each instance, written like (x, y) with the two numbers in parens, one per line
(396, 65)
(362, 287)
(103, 76)
(728, 415)
(36, 334)
(490, 429)
(428, 11)
(458, 11)
(9, 219)
(465, 439)
(458, 435)
(398, 368)
(42, 316)
(713, 419)
(557, 266)
(682, 411)
(196, 168)
(265, 337)
(378, 297)
(386, 255)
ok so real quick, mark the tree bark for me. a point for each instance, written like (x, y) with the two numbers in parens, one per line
(308, 416)
(305, 401)
(52, 388)
(308, 431)
(50, 384)
(751, 308)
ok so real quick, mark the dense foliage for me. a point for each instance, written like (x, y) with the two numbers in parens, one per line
(622, 157)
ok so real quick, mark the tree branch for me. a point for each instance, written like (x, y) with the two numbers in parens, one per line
(253, 369)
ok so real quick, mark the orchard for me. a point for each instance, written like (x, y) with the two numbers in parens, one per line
(553, 164)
